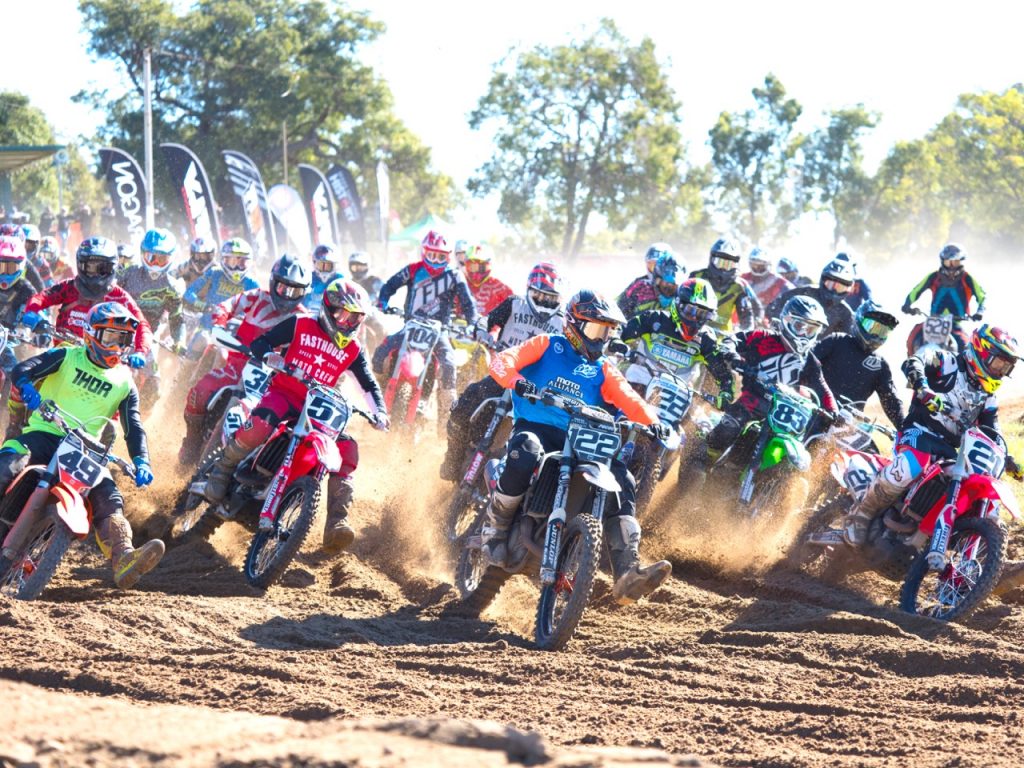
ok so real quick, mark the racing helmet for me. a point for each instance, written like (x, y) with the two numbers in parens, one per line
(694, 307)
(590, 320)
(49, 250)
(872, 325)
(654, 251)
(435, 252)
(289, 283)
(359, 264)
(157, 249)
(477, 265)
(801, 321)
(759, 262)
(544, 290)
(951, 260)
(788, 269)
(461, 247)
(235, 257)
(990, 356)
(342, 310)
(96, 259)
(836, 280)
(31, 235)
(12, 261)
(325, 260)
(109, 333)
(201, 253)
(723, 262)
(666, 286)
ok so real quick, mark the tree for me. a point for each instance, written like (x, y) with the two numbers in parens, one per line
(834, 179)
(228, 73)
(753, 159)
(585, 129)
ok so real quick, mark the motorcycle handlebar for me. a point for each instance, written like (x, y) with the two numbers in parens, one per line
(50, 411)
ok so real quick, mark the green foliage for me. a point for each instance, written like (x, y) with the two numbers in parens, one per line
(585, 129)
(752, 158)
(834, 179)
(228, 73)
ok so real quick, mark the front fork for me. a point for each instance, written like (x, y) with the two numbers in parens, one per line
(556, 522)
(936, 556)
(747, 481)
(268, 515)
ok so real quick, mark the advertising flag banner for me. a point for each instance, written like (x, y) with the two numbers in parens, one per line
(127, 187)
(248, 185)
(319, 205)
(350, 207)
(196, 194)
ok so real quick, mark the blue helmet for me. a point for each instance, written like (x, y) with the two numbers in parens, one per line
(665, 277)
(157, 249)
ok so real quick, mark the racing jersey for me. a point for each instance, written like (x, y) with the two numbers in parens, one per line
(489, 294)
(42, 266)
(12, 302)
(257, 313)
(431, 296)
(85, 390)
(768, 286)
(156, 294)
(516, 321)
(74, 310)
(738, 305)
(949, 297)
(639, 295)
(838, 313)
(856, 375)
(767, 359)
(187, 272)
(550, 362)
(662, 340)
(311, 351)
(215, 287)
(945, 372)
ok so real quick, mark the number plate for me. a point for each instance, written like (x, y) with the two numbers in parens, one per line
(421, 337)
(671, 355)
(592, 442)
(255, 380)
(937, 328)
(76, 468)
(672, 400)
(983, 454)
(789, 416)
(326, 414)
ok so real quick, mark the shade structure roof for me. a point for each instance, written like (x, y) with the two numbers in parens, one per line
(16, 157)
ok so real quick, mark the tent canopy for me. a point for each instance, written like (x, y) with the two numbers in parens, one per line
(414, 232)
(15, 157)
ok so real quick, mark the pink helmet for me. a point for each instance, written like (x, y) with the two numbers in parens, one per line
(12, 260)
(435, 251)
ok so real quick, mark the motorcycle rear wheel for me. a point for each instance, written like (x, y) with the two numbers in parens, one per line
(647, 478)
(271, 552)
(190, 517)
(460, 516)
(562, 604)
(949, 582)
(400, 409)
(47, 545)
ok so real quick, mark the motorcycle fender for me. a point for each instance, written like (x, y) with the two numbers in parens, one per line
(412, 365)
(675, 439)
(600, 476)
(784, 447)
(71, 510)
(978, 487)
(315, 449)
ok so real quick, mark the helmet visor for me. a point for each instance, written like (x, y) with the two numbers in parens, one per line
(876, 328)
(803, 328)
(347, 321)
(10, 267)
(836, 286)
(96, 268)
(289, 290)
(358, 270)
(952, 264)
(155, 259)
(202, 257)
(596, 331)
(723, 262)
(115, 337)
(758, 267)
(435, 257)
(696, 315)
(235, 262)
(545, 300)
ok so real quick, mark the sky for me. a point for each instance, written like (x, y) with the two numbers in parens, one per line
(907, 60)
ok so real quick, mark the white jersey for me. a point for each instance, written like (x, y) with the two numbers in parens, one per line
(519, 322)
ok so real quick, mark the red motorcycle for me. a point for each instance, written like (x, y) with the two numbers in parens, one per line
(944, 539)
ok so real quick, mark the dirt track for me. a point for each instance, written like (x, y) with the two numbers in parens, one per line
(775, 669)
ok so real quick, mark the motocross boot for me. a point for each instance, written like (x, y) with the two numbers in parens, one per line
(1012, 578)
(128, 564)
(193, 438)
(219, 479)
(338, 534)
(879, 495)
(631, 581)
(500, 514)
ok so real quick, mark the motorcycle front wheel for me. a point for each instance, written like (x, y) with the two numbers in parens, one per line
(32, 570)
(562, 604)
(967, 579)
(190, 517)
(271, 552)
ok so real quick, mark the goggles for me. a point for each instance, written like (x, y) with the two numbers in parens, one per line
(346, 320)
(202, 257)
(724, 262)
(289, 290)
(836, 286)
(546, 300)
(10, 267)
(235, 262)
(596, 331)
(1000, 366)
(759, 267)
(157, 259)
(325, 265)
(803, 329)
(666, 288)
(474, 266)
(695, 315)
(952, 263)
(875, 328)
(435, 257)
(114, 337)
(96, 268)
(358, 270)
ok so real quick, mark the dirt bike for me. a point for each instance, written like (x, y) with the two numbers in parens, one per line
(946, 527)
(471, 494)
(668, 390)
(280, 482)
(472, 357)
(46, 508)
(558, 528)
(936, 332)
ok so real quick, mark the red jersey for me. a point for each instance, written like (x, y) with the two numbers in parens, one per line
(74, 310)
(257, 313)
(489, 294)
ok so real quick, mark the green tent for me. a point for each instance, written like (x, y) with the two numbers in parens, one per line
(414, 233)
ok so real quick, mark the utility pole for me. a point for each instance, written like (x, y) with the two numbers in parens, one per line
(284, 149)
(147, 130)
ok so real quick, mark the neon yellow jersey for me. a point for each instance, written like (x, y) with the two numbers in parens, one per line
(84, 390)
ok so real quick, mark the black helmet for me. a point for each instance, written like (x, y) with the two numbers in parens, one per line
(871, 325)
(952, 258)
(800, 322)
(589, 322)
(723, 263)
(289, 283)
(836, 280)
(96, 259)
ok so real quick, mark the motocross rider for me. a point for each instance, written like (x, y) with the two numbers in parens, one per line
(780, 356)
(14, 292)
(32, 238)
(126, 257)
(835, 282)
(644, 290)
(789, 270)
(222, 281)
(488, 291)
(852, 366)
(860, 291)
(257, 311)
(952, 289)
(89, 382)
(49, 251)
(946, 385)
(766, 284)
(157, 294)
(359, 269)
(736, 299)
(324, 348)
(325, 271)
(516, 319)
(31, 273)
(433, 290)
(200, 256)
(574, 365)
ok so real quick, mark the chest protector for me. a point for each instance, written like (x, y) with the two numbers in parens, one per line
(523, 323)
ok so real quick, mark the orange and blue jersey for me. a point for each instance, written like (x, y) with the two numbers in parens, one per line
(949, 298)
(551, 362)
